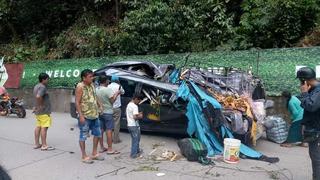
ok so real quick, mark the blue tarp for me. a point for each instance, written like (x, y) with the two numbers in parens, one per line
(206, 98)
(198, 125)
(174, 76)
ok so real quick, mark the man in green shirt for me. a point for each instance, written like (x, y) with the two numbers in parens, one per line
(106, 97)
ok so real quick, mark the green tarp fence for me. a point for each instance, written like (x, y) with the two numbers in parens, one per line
(276, 67)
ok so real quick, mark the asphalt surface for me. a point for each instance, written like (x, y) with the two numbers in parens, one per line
(23, 162)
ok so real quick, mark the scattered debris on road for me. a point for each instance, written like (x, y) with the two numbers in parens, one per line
(146, 168)
(115, 172)
(160, 174)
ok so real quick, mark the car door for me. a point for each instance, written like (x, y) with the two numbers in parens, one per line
(161, 115)
(129, 88)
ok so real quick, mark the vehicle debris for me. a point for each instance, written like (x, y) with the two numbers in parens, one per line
(156, 145)
(160, 174)
(111, 172)
(146, 168)
(164, 155)
(212, 104)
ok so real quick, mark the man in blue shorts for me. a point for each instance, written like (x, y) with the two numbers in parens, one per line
(88, 109)
(106, 97)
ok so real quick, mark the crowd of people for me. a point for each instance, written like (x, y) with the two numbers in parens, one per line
(99, 112)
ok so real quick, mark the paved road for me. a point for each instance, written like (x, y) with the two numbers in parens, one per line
(25, 163)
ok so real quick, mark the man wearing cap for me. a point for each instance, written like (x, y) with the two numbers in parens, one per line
(310, 102)
(115, 86)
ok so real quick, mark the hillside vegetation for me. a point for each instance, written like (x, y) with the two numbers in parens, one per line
(56, 29)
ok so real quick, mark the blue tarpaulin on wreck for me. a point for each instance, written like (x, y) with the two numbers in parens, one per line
(174, 76)
(198, 125)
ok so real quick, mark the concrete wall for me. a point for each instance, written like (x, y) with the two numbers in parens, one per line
(61, 98)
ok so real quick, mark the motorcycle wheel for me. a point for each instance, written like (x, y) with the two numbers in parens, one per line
(3, 113)
(3, 110)
(21, 112)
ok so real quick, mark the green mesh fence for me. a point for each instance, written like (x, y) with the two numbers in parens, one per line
(276, 67)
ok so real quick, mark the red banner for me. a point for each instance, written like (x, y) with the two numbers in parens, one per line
(11, 75)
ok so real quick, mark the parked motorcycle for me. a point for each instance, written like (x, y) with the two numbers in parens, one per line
(12, 105)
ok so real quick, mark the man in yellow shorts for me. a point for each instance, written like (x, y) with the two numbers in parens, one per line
(42, 110)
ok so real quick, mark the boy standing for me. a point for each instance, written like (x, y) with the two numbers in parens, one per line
(133, 116)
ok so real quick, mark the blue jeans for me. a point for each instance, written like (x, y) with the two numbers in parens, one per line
(314, 152)
(89, 124)
(135, 140)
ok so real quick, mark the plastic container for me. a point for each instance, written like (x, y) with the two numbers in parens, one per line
(231, 150)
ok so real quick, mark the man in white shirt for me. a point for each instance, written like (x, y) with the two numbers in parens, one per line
(133, 117)
(115, 86)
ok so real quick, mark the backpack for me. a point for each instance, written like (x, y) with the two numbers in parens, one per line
(193, 150)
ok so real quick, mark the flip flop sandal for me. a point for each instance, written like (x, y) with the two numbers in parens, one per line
(98, 158)
(37, 147)
(87, 160)
(104, 150)
(113, 152)
(304, 145)
(286, 145)
(48, 148)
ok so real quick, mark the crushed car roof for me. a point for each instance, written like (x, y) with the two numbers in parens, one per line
(128, 75)
(150, 69)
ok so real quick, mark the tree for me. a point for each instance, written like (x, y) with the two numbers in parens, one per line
(174, 26)
(277, 23)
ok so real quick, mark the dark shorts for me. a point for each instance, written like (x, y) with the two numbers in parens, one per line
(106, 121)
(92, 125)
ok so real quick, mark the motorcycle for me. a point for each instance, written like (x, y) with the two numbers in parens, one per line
(12, 105)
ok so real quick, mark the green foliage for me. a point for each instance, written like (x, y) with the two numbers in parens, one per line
(151, 29)
(4, 9)
(277, 23)
(174, 26)
(21, 54)
(213, 23)
(101, 1)
(275, 67)
(94, 28)
(28, 18)
(135, 4)
(91, 41)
